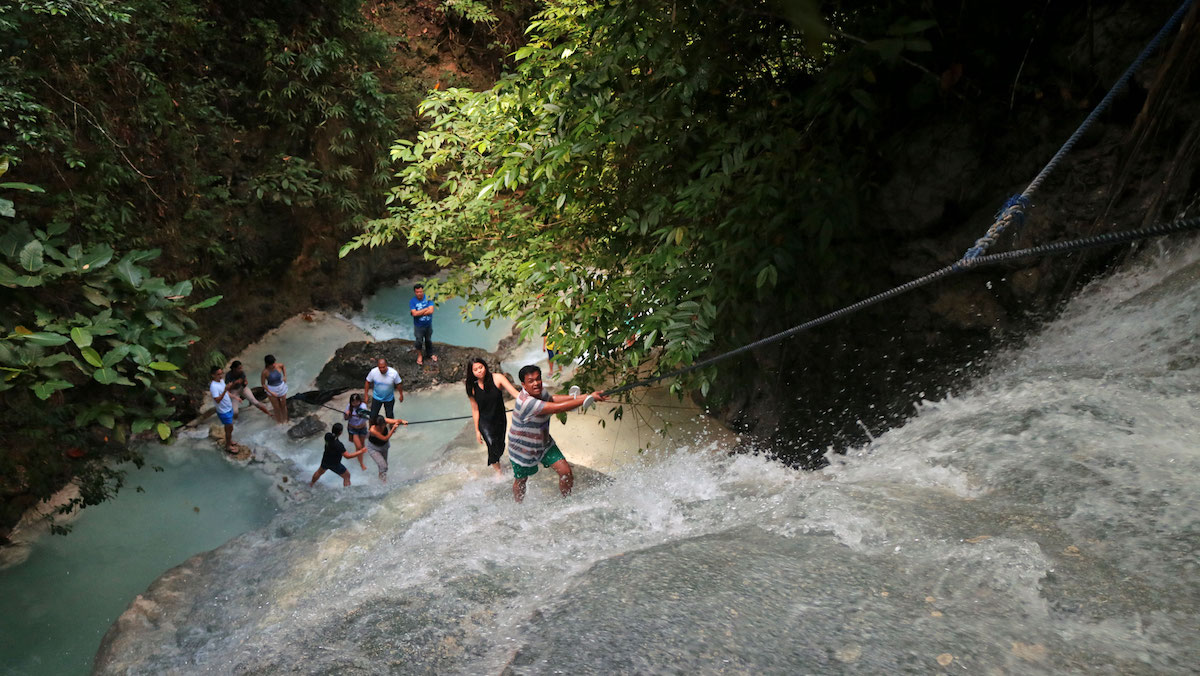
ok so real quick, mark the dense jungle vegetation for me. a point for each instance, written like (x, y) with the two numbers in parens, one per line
(158, 152)
(662, 180)
(657, 179)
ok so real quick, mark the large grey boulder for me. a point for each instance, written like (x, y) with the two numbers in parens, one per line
(350, 365)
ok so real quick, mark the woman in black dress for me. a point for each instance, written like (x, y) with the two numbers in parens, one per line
(486, 392)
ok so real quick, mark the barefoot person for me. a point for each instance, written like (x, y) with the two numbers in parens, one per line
(421, 309)
(239, 389)
(220, 394)
(358, 421)
(274, 381)
(486, 392)
(529, 440)
(379, 440)
(383, 388)
(331, 459)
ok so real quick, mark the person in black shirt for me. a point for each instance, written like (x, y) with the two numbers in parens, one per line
(331, 460)
(484, 389)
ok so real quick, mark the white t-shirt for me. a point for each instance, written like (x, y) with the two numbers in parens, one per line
(384, 383)
(225, 405)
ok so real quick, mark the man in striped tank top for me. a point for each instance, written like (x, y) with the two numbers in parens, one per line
(529, 440)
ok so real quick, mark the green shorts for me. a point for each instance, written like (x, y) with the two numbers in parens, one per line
(552, 456)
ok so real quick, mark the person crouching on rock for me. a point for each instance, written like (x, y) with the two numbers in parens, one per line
(331, 460)
(239, 389)
(379, 440)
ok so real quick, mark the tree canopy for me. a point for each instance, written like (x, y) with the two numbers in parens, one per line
(657, 178)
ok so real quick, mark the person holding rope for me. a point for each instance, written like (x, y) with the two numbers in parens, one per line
(529, 440)
(384, 388)
(358, 421)
(331, 459)
(379, 440)
(486, 390)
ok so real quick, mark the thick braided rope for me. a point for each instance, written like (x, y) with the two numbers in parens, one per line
(1013, 211)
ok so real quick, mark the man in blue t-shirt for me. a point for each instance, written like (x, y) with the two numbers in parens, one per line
(421, 309)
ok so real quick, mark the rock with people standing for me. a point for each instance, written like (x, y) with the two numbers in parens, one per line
(351, 363)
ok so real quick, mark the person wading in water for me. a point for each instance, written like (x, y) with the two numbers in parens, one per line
(529, 440)
(379, 441)
(486, 392)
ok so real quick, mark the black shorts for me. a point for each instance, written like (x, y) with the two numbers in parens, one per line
(338, 469)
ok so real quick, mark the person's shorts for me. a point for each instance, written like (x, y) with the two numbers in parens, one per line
(552, 456)
(357, 433)
(226, 418)
(549, 354)
(338, 469)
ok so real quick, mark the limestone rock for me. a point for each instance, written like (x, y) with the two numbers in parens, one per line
(309, 425)
(352, 362)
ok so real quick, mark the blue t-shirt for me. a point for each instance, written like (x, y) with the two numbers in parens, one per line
(414, 304)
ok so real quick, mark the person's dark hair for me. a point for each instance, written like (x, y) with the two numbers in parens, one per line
(269, 359)
(235, 365)
(330, 436)
(379, 421)
(526, 370)
(418, 286)
(472, 383)
(213, 371)
(337, 429)
(355, 398)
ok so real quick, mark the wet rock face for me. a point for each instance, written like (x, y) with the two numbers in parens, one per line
(352, 362)
(309, 426)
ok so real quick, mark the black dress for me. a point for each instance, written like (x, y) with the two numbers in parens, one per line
(492, 421)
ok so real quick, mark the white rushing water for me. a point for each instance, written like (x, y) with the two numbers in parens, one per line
(64, 592)
(1044, 521)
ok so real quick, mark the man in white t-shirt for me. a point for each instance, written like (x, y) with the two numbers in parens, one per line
(383, 388)
(220, 394)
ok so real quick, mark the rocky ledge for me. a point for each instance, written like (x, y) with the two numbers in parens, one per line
(352, 362)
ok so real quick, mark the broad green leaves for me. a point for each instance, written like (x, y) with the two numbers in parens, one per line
(110, 336)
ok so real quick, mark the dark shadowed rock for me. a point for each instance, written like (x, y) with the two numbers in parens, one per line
(308, 426)
(352, 362)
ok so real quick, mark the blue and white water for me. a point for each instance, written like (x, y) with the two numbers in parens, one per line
(1044, 521)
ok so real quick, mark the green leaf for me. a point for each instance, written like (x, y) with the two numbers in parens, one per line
(115, 355)
(106, 420)
(129, 271)
(6, 208)
(207, 302)
(163, 366)
(81, 337)
(141, 425)
(31, 256)
(91, 356)
(96, 258)
(46, 338)
(95, 297)
(45, 389)
(164, 431)
(15, 185)
(106, 376)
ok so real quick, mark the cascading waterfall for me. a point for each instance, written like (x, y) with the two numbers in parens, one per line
(1044, 521)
